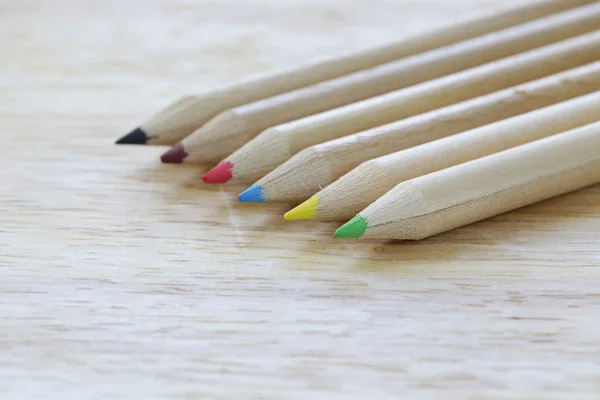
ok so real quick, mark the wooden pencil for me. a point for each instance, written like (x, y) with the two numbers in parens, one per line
(482, 188)
(276, 145)
(317, 166)
(354, 191)
(190, 112)
(233, 128)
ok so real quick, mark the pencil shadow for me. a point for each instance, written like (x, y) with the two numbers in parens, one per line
(182, 177)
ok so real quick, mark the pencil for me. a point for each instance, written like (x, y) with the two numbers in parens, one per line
(353, 192)
(317, 166)
(233, 128)
(190, 112)
(483, 188)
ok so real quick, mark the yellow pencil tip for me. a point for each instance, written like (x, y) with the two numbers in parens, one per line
(306, 210)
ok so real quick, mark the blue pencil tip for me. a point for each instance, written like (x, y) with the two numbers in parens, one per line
(251, 195)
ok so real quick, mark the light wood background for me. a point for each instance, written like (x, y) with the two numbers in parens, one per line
(124, 278)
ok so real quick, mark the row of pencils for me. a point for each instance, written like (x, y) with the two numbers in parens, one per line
(413, 138)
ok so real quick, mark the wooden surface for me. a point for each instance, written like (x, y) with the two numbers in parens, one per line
(123, 278)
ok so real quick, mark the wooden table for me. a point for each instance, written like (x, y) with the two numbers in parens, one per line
(124, 278)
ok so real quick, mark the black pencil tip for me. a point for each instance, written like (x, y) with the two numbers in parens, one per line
(136, 136)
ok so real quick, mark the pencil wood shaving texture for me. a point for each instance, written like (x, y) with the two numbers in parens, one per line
(231, 129)
(316, 167)
(190, 112)
(483, 188)
(356, 190)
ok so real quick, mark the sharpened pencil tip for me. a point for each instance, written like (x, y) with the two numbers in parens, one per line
(352, 229)
(221, 173)
(175, 155)
(306, 210)
(136, 136)
(252, 195)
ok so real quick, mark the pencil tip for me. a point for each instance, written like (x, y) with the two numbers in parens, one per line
(352, 229)
(136, 136)
(306, 210)
(221, 173)
(252, 195)
(175, 155)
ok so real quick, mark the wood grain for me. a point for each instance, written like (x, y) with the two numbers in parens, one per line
(124, 278)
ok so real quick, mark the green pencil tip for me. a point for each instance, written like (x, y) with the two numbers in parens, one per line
(352, 229)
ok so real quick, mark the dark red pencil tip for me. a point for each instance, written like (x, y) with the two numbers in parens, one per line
(175, 155)
(219, 174)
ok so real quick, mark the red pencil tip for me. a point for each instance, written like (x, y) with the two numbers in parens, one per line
(219, 174)
(175, 155)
